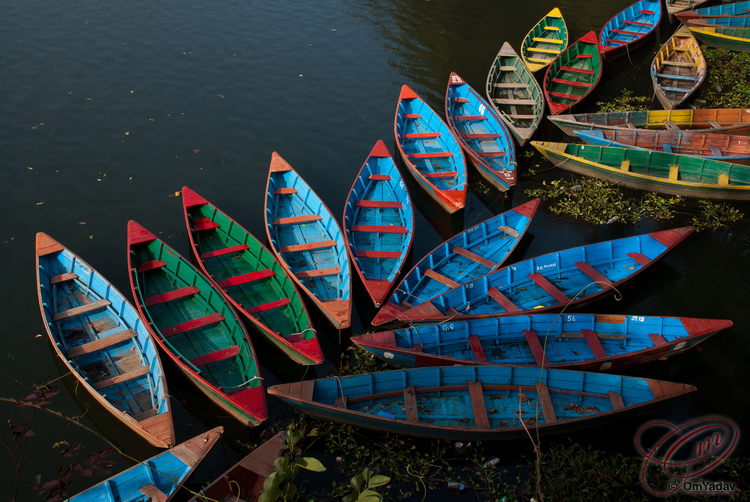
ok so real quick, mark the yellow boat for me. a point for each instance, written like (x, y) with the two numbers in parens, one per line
(546, 40)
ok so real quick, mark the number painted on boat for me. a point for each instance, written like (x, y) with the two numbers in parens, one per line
(448, 327)
(636, 318)
(545, 267)
(469, 285)
(570, 318)
(402, 184)
(482, 109)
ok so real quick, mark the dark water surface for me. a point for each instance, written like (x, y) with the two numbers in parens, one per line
(109, 108)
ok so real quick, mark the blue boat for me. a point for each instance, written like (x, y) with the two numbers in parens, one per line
(156, 479)
(720, 10)
(589, 342)
(307, 239)
(568, 278)
(476, 402)
(195, 326)
(629, 28)
(430, 150)
(485, 138)
(476, 251)
(728, 22)
(99, 337)
(378, 223)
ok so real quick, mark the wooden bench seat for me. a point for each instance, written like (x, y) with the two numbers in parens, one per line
(86, 308)
(616, 399)
(481, 136)
(592, 273)
(124, 377)
(202, 224)
(514, 101)
(224, 251)
(626, 32)
(678, 77)
(193, 324)
(285, 191)
(476, 348)
(469, 118)
(420, 135)
(459, 100)
(412, 116)
(386, 255)
(429, 155)
(441, 174)
(153, 493)
(380, 177)
(176, 294)
(151, 265)
(385, 204)
(563, 95)
(441, 278)
(474, 257)
(70, 276)
(545, 401)
(594, 343)
(640, 259)
(572, 83)
(501, 299)
(573, 69)
(536, 347)
(268, 306)
(545, 51)
(100, 344)
(318, 272)
(307, 246)
(239, 280)
(550, 288)
(509, 230)
(410, 404)
(491, 154)
(380, 229)
(657, 339)
(215, 357)
(547, 40)
(478, 406)
(638, 23)
(305, 218)
(511, 85)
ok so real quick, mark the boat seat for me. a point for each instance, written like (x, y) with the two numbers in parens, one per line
(625, 165)
(412, 116)
(667, 147)
(547, 40)
(671, 125)
(551, 28)
(572, 83)
(441, 174)
(714, 124)
(285, 191)
(545, 51)
(215, 357)
(153, 493)
(70, 276)
(594, 343)
(514, 101)
(675, 89)
(678, 63)
(193, 324)
(420, 135)
(386, 255)
(340, 402)
(546, 402)
(469, 118)
(522, 117)
(657, 339)
(474, 257)
(584, 56)
(151, 265)
(100, 344)
(715, 151)
(268, 306)
(380, 177)
(578, 70)
(509, 230)
(647, 12)
(307, 246)
(640, 259)
(511, 85)
(220, 252)
(410, 404)
(478, 405)
(508, 68)
(202, 224)
(550, 288)
(563, 95)
(502, 300)
(416, 348)
(481, 136)
(121, 378)
(491, 154)
(674, 172)
(537, 60)
(380, 229)
(638, 23)
(305, 218)
(318, 272)
(239, 280)
(435, 276)
(536, 347)
(385, 204)
(678, 77)
(459, 100)
(629, 33)
(592, 273)
(616, 400)
(429, 155)
(723, 180)
(171, 296)
(86, 308)
(476, 348)
(613, 41)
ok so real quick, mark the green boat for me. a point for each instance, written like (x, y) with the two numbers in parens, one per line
(734, 38)
(251, 278)
(653, 171)
(573, 75)
(515, 94)
(195, 326)
(545, 41)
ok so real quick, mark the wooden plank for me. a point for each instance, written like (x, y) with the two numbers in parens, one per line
(546, 401)
(386, 204)
(514, 101)
(380, 229)
(592, 273)
(435, 276)
(171, 296)
(319, 272)
(193, 324)
(150, 265)
(380, 177)
(536, 347)
(124, 377)
(476, 394)
(307, 246)
(215, 357)
(657, 339)
(238, 280)
(429, 155)
(476, 349)
(674, 172)
(625, 166)
(469, 118)
(500, 298)
(153, 493)
(200, 226)
(224, 251)
(616, 400)
(420, 135)
(70, 276)
(386, 255)
(80, 310)
(100, 344)
(511, 85)
(550, 288)
(340, 402)
(480, 136)
(268, 306)
(305, 218)
(474, 257)
(594, 344)
(410, 404)
(441, 174)
(640, 259)
(285, 191)
(509, 230)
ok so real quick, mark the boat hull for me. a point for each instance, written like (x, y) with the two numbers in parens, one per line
(678, 69)
(629, 29)
(545, 41)
(573, 75)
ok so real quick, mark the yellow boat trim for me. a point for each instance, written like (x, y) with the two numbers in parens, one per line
(546, 51)
(547, 40)
(712, 32)
(540, 60)
(674, 172)
(679, 117)
(552, 28)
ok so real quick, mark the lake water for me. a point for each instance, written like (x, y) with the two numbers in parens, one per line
(110, 108)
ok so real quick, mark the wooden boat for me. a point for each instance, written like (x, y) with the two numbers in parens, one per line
(470, 254)
(307, 239)
(98, 335)
(671, 173)
(250, 278)
(244, 480)
(573, 74)
(734, 38)
(720, 10)
(726, 147)
(569, 278)
(476, 403)
(629, 28)
(487, 142)
(545, 41)
(676, 6)
(430, 150)
(156, 479)
(195, 326)
(514, 94)
(678, 69)
(709, 120)
(378, 223)
(590, 342)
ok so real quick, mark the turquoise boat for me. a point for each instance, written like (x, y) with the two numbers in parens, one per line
(714, 34)
(157, 479)
(720, 10)
(250, 278)
(476, 403)
(629, 28)
(102, 341)
(195, 326)
(487, 142)
(568, 278)
(308, 241)
(378, 223)
(472, 253)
